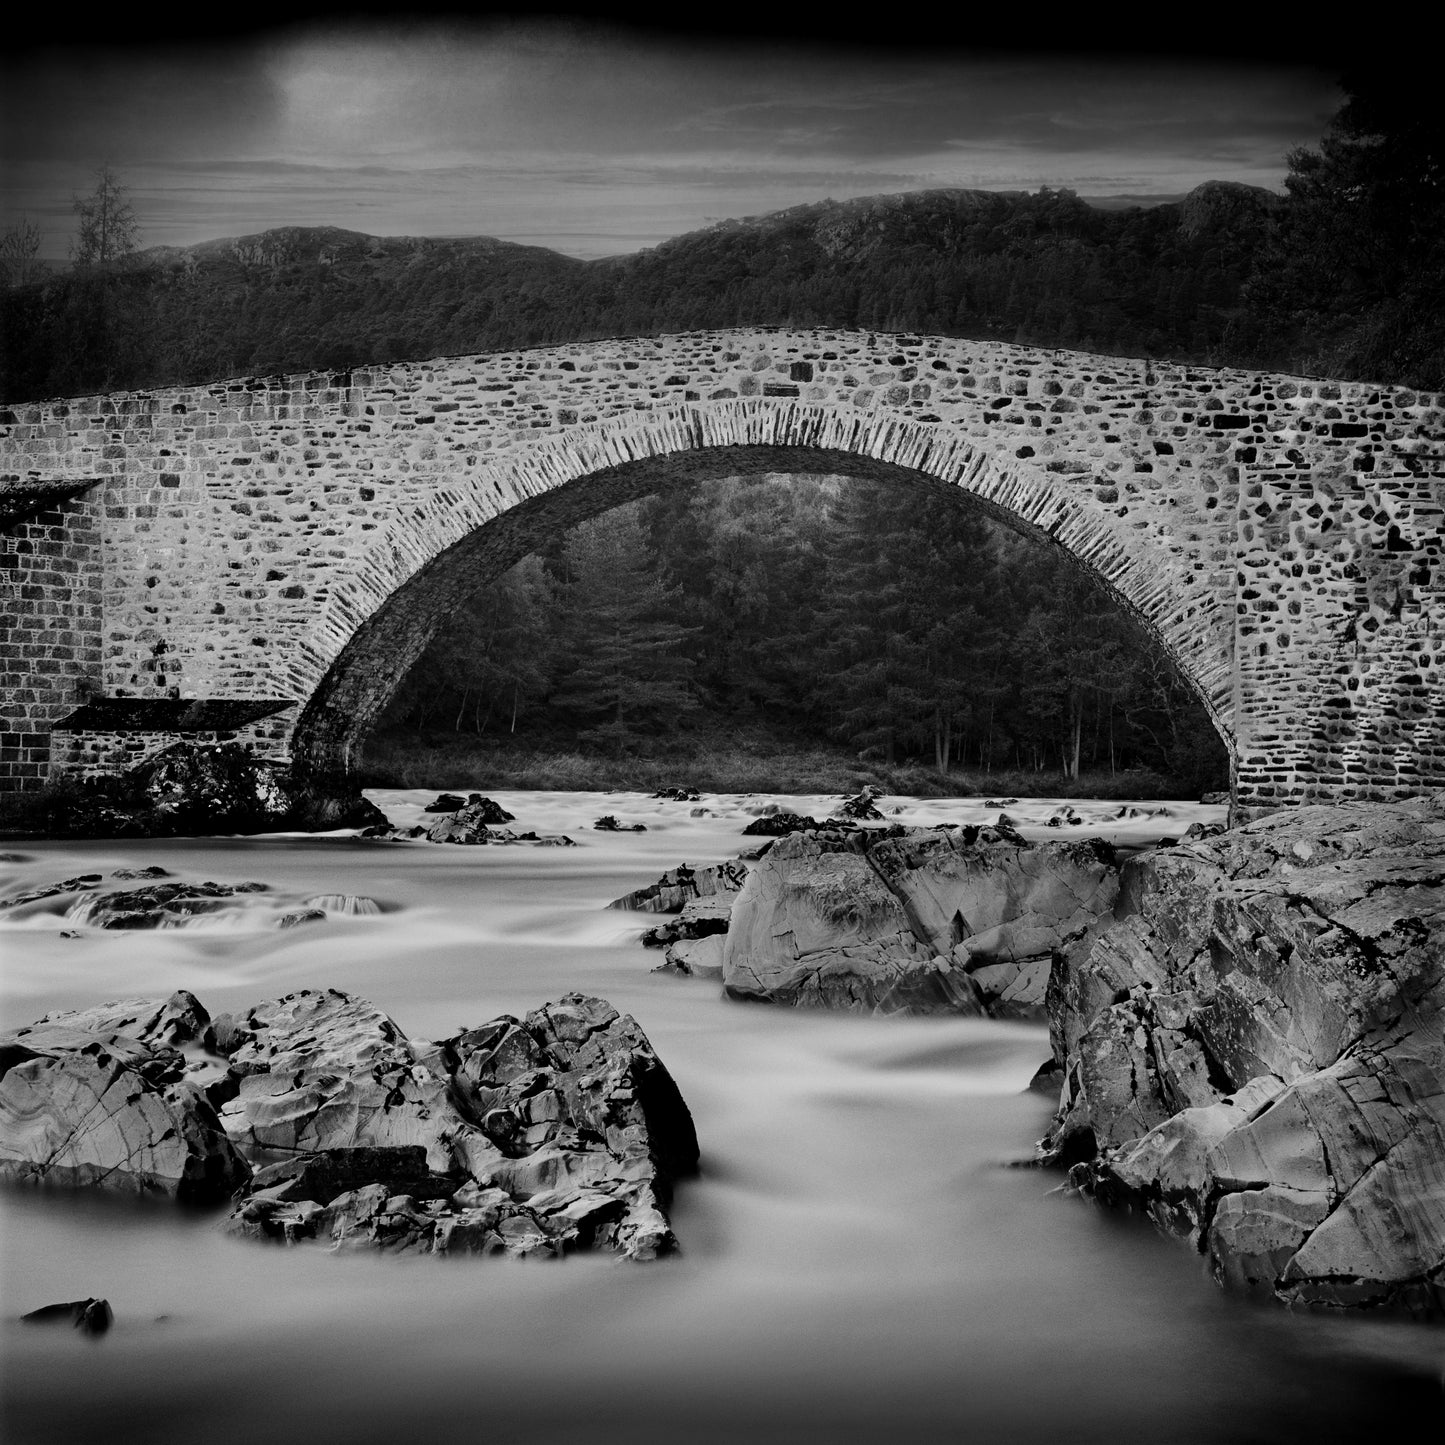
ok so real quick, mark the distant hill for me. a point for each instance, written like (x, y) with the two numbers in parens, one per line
(1046, 269)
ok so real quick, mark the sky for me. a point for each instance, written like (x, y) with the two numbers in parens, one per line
(593, 134)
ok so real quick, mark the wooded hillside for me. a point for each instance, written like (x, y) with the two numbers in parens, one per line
(1044, 269)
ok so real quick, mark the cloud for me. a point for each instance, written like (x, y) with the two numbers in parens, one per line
(572, 130)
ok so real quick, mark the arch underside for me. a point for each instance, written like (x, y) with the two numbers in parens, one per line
(366, 673)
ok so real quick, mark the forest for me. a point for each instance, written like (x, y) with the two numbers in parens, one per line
(889, 622)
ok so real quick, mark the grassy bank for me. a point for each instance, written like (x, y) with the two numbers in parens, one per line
(742, 761)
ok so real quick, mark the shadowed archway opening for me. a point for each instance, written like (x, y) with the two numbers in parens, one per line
(356, 689)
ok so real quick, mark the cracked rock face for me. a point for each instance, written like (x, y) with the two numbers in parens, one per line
(555, 1132)
(323, 1070)
(107, 1098)
(682, 885)
(1254, 1053)
(957, 920)
(559, 1131)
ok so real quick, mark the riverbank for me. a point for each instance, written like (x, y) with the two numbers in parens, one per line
(745, 758)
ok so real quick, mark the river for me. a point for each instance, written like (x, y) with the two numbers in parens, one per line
(859, 1263)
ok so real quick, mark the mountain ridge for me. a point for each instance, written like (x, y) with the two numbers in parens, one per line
(1042, 268)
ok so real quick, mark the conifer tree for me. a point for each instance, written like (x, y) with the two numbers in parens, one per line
(624, 670)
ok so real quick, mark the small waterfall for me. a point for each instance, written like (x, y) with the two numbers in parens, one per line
(345, 903)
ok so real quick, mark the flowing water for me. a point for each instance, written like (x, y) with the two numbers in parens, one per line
(859, 1263)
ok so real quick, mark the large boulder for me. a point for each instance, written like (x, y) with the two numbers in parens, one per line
(1254, 1053)
(106, 1097)
(558, 1131)
(469, 822)
(816, 925)
(323, 1070)
(913, 919)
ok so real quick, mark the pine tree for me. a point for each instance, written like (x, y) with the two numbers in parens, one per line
(624, 671)
(903, 636)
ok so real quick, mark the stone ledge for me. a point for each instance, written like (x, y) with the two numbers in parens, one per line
(178, 715)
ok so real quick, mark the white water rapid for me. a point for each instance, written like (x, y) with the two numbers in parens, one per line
(858, 1263)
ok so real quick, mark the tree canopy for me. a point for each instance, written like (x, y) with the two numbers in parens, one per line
(1354, 275)
(107, 230)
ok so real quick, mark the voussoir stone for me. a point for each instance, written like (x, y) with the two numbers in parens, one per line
(1254, 1053)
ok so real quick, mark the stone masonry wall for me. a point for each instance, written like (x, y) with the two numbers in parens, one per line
(93, 752)
(50, 631)
(298, 536)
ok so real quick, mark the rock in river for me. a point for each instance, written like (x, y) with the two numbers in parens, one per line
(89, 1316)
(679, 886)
(913, 919)
(104, 1097)
(1254, 1054)
(558, 1131)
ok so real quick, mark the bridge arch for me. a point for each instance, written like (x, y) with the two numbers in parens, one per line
(250, 553)
(569, 480)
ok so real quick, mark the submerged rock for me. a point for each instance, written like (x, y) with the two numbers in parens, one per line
(607, 823)
(165, 905)
(1254, 1053)
(350, 905)
(77, 884)
(913, 919)
(89, 1316)
(779, 825)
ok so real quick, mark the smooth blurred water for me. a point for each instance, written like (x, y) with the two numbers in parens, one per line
(859, 1264)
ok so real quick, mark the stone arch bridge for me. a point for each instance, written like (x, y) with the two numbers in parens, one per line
(263, 558)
